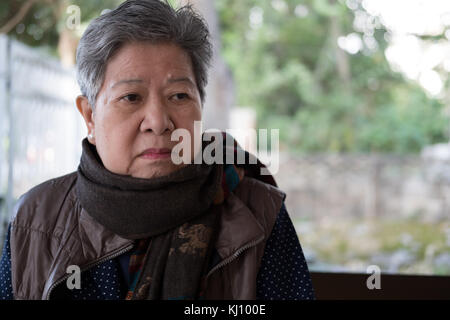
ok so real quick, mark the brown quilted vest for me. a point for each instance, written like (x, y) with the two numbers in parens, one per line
(50, 231)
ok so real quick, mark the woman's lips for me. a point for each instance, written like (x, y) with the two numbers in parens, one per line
(154, 153)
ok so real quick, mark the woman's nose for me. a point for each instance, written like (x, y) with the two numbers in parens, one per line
(156, 117)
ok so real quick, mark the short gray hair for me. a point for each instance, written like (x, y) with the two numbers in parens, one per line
(151, 21)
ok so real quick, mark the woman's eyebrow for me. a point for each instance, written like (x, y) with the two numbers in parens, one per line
(181, 79)
(126, 81)
(170, 80)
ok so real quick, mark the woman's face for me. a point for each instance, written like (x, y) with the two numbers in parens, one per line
(149, 90)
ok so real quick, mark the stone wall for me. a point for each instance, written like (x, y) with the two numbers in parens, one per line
(387, 186)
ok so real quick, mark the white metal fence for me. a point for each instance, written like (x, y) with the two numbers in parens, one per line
(40, 128)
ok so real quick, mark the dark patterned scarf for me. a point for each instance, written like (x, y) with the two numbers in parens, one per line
(231, 176)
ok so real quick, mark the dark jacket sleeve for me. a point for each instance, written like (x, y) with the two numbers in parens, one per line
(6, 292)
(284, 273)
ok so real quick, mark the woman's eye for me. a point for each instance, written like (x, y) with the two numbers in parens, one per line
(132, 97)
(181, 96)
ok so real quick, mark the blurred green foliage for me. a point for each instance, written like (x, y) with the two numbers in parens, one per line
(287, 68)
(44, 21)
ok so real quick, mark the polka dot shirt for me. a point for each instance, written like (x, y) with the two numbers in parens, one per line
(283, 274)
(5, 272)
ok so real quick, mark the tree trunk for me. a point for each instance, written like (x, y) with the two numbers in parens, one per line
(342, 61)
(67, 42)
(67, 47)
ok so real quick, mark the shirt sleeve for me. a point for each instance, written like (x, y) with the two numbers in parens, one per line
(284, 274)
(6, 292)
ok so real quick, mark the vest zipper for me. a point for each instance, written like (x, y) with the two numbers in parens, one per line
(90, 265)
(234, 255)
(128, 247)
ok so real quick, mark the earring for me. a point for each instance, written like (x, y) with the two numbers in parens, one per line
(90, 135)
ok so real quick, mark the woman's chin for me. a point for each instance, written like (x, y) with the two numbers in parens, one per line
(156, 171)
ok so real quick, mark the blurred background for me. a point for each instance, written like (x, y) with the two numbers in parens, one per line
(359, 90)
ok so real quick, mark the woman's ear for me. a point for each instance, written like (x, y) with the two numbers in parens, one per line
(87, 113)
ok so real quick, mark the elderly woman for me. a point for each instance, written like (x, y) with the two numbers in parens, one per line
(135, 224)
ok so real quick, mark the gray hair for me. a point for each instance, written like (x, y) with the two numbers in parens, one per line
(151, 21)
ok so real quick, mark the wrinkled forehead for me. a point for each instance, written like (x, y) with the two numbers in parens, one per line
(144, 63)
